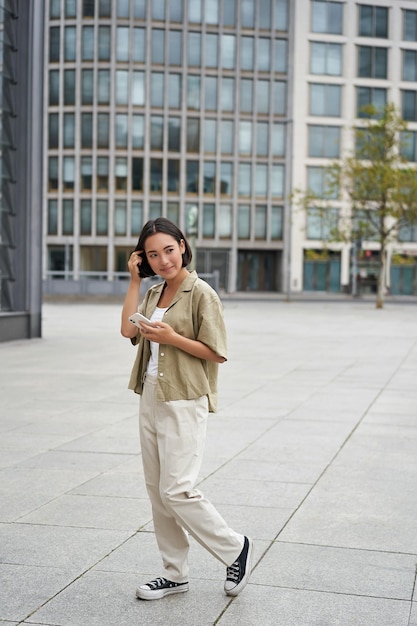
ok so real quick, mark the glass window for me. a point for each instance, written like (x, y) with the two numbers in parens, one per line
(103, 86)
(264, 54)
(173, 176)
(139, 9)
(211, 54)
(245, 137)
(228, 44)
(261, 180)
(120, 218)
(70, 42)
(86, 173)
(68, 216)
(243, 221)
(264, 17)
(175, 11)
(373, 21)
(122, 43)
(86, 130)
(102, 173)
(157, 89)
(173, 212)
(246, 95)
(325, 100)
(210, 136)
(53, 173)
(225, 221)
(158, 10)
(88, 8)
(158, 46)
(104, 8)
(209, 178)
(175, 47)
(69, 130)
(102, 217)
(227, 136)
(137, 174)
(409, 25)
(262, 137)
(278, 139)
(211, 13)
(69, 86)
(103, 130)
(280, 97)
(410, 65)
(120, 174)
(54, 43)
(210, 96)
(320, 222)
(136, 217)
(324, 141)
(192, 177)
(262, 96)
(194, 49)
(318, 184)
(372, 62)
(374, 96)
(248, 13)
(409, 108)
(260, 222)
(327, 17)
(68, 173)
(123, 8)
(70, 8)
(281, 55)
(226, 179)
(193, 134)
(121, 86)
(281, 15)
(104, 43)
(87, 44)
(245, 179)
(247, 53)
(174, 134)
(276, 222)
(138, 87)
(229, 13)
(53, 130)
(157, 132)
(55, 9)
(139, 44)
(277, 181)
(121, 130)
(87, 87)
(227, 99)
(52, 217)
(85, 217)
(174, 91)
(138, 131)
(156, 175)
(54, 87)
(193, 92)
(209, 214)
(194, 11)
(326, 58)
(155, 210)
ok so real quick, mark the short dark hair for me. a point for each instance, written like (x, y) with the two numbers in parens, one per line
(161, 225)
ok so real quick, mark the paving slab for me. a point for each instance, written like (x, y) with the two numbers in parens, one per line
(312, 453)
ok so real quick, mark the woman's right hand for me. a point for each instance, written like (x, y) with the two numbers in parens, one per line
(134, 264)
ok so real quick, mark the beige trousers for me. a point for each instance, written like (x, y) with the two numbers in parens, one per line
(172, 436)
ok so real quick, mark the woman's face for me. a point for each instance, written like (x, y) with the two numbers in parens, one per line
(164, 255)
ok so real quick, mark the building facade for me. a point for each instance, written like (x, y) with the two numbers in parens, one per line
(21, 132)
(211, 112)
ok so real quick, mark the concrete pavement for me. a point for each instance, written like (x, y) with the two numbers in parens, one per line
(313, 453)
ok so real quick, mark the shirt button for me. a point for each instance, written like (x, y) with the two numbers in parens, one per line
(162, 353)
(161, 373)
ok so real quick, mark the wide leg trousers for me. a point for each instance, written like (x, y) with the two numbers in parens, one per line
(172, 436)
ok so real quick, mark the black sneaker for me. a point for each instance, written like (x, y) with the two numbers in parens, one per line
(159, 588)
(237, 574)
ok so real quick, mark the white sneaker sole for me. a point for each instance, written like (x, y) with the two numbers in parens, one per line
(236, 590)
(149, 594)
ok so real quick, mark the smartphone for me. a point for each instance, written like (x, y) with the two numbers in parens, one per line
(138, 317)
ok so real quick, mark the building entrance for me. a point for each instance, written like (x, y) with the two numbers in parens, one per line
(257, 270)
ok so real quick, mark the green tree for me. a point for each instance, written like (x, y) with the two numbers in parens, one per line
(379, 183)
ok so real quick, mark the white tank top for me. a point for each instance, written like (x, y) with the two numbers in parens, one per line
(152, 368)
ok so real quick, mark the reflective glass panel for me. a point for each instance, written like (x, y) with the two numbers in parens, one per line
(209, 221)
(122, 43)
(173, 176)
(138, 138)
(210, 136)
(174, 134)
(103, 88)
(260, 222)
(174, 91)
(139, 44)
(211, 55)
(175, 47)
(245, 179)
(87, 44)
(228, 44)
(226, 179)
(122, 86)
(227, 136)
(209, 178)
(157, 89)
(194, 49)
(158, 46)
(157, 132)
(247, 53)
(277, 181)
(210, 99)
(243, 221)
(70, 43)
(87, 87)
(121, 130)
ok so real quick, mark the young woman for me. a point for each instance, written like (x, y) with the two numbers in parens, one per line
(175, 373)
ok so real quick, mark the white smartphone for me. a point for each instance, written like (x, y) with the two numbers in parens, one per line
(138, 317)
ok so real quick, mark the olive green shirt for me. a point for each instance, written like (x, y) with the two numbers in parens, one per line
(196, 313)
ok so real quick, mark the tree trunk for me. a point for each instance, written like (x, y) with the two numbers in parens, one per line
(381, 279)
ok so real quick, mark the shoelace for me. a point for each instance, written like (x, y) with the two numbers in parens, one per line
(233, 571)
(158, 582)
